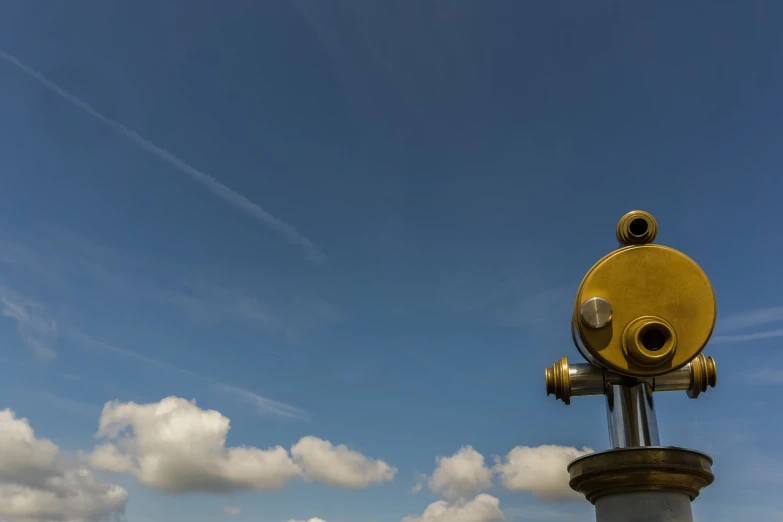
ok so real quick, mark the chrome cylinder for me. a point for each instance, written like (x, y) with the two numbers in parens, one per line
(677, 380)
(695, 377)
(631, 416)
(564, 380)
(586, 379)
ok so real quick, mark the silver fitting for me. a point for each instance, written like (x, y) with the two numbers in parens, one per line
(596, 312)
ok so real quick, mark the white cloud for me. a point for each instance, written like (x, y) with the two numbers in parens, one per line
(35, 328)
(23, 458)
(483, 508)
(174, 446)
(541, 470)
(308, 520)
(338, 465)
(36, 485)
(108, 457)
(462, 475)
(232, 511)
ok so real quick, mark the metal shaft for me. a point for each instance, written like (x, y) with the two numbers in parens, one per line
(631, 416)
(681, 379)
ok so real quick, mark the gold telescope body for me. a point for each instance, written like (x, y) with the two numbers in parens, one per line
(662, 305)
(643, 311)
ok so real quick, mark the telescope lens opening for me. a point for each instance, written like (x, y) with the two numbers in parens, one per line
(638, 227)
(654, 339)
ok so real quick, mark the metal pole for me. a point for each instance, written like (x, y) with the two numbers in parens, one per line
(631, 416)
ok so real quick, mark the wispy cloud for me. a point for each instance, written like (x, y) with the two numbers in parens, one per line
(232, 511)
(515, 305)
(77, 335)
(766, 376)
(752, 318)
(748, 337)
(227, 511)
(68, 261)
(760, 466)
(81, 408)
(421, 479)
(499, 286)
(262, 405)
(215, 300)
(236, 200)
(17, 255)
(746, 320)
(36, 330)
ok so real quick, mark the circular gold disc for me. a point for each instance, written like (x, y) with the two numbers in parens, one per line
(650, 281)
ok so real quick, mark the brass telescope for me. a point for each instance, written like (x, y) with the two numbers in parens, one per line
(642, 316)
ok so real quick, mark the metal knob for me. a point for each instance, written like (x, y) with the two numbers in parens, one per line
(596, 312)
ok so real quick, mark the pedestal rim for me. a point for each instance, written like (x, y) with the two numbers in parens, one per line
(650, 468)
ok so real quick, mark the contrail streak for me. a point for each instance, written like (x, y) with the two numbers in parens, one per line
(262, 404)
(226, 194)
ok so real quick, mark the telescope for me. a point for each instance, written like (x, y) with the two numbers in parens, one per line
(642, 317)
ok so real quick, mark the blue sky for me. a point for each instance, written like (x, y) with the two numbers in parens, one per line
(365, 222)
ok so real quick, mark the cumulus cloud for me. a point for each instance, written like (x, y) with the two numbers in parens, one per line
(232, 511)
(24, 459)
(461, 475)
(338, 465)
(309, 520)
(174, 446)
(540, 470)
(35, 328)
(35, 484)
(108, 457)
(483, 508)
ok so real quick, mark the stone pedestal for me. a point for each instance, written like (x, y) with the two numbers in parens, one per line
(645, 506)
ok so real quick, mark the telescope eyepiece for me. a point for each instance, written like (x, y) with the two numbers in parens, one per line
(637, 228)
